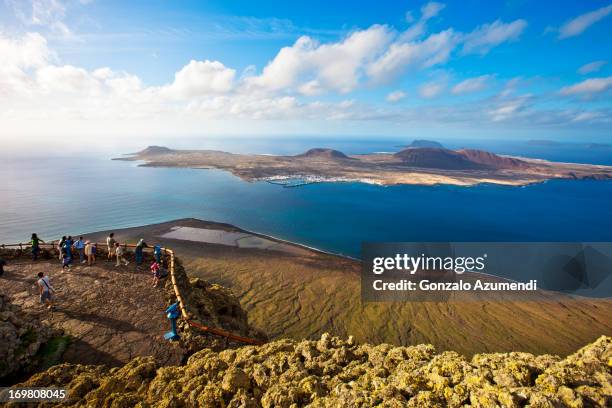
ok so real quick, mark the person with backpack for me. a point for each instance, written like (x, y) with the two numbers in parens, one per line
(35, 241)
(45, 290)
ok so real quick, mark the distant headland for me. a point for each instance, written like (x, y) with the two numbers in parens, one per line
(421, 163)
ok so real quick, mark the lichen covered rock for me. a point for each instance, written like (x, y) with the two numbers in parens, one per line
(21, 337)
(331, 372)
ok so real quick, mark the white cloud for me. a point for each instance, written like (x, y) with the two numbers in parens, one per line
(432, 89)
(377, 53)
(591, 67)
(311, 88)
(428, 11)
(19, 56)
(125, 84)
(471, 85)
(27, 52)
(431, 9)
(509, 108)
(44, 13)
(434, 50)
(588, 87)
(67, 79)
(395, 96)
(312, 67)
(201, 78)
(579, 24)
(587, 116)
(487, 36)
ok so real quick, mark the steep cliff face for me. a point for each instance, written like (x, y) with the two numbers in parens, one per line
(21, 337)
(332, 372)
(210, 305)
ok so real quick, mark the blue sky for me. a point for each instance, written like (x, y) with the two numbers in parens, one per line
(497, 69)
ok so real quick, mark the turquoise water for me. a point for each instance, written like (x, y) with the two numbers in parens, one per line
(56, 196)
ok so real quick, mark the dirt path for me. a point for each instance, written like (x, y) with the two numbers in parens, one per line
(113, 314)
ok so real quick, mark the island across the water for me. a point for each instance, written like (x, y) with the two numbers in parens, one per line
(420, 163)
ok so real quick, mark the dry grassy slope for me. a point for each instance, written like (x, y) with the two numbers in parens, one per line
(306, 296)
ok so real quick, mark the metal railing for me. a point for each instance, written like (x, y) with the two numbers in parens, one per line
(177, 292)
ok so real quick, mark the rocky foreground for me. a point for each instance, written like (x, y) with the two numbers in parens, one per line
(332, 372)
(21, 337)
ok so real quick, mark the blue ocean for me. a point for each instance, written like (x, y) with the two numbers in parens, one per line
(57, 195)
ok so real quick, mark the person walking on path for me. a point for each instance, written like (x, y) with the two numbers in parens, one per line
(110, 244)
(156, 273)
(2, 265)
(79, 245)
(90, 253)
(66, 261)
(45, 290)
(139, 253)
(36, 246)
(119, 251)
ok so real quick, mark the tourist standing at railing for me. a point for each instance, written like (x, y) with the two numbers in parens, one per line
(90, 253)
(68, 250)
(110, 244)
(60, 247)
(119, 251)
(79, 245)
(139, 252)
(157, 253)
(35, 246)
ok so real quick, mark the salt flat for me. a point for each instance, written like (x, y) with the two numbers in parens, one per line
(229, 238)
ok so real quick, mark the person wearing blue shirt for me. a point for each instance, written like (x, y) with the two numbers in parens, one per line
(79, 245)
(157, 253)
(68, 250)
